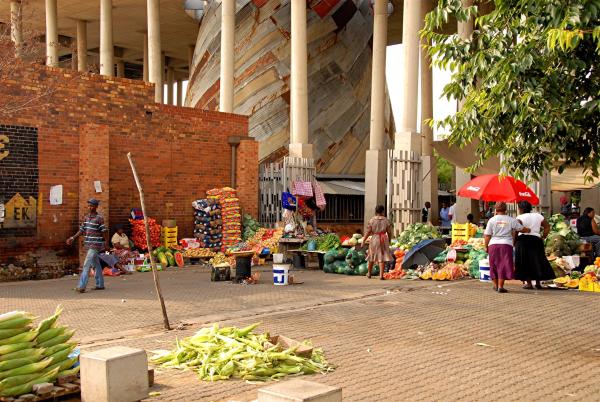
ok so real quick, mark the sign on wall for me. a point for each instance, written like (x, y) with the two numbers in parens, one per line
(19, 184)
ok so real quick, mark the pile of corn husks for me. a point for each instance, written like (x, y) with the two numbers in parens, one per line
(222, 353)
(30, 356)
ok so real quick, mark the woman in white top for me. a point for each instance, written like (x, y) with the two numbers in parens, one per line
(530, 258)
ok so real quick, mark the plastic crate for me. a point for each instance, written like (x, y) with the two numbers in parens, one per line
(460, 231)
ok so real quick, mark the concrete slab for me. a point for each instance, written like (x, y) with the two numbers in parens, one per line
(300, 391)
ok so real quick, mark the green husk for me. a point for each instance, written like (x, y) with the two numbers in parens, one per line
(17, 322)
(7, 333)
(57, 339)
(11, 315)
(49, 322)
(14, 381)
(221, 353)
(60, 355)
(28, 387)
(23, 353)
(22, 337)
(57, 348)
(26, 369)
(14, 363)
(63, 365)
(6, 349)
(50, 334)
(69, 372)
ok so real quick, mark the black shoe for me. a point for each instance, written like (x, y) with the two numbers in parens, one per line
(78, 290)
(495, 289)
(502, 290)
(539, 286)
(99, 288)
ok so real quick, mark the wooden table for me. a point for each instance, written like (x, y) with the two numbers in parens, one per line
(311, 256)
(285, 243)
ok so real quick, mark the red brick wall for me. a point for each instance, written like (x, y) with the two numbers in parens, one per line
(179, 152)
(247, 183)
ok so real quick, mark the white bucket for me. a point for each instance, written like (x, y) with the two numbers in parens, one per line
(484, 270)
(280, 274)
(277, 258)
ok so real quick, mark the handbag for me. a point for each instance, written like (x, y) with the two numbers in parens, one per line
(319, 196)
(288, 201)
(303, 188)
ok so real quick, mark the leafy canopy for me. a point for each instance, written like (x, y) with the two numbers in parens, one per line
(528, 80)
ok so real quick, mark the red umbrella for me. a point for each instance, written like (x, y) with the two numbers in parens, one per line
(493, 187)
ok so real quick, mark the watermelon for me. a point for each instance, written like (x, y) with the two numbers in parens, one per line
(349, 271)
(363, 269)
(375, 270)
(328, 268)
(170, 259)
(330, 256)
(341, 256)
(163, 259)
(178, 259)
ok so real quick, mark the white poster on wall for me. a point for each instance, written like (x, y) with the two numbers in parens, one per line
(56, 194)
(98, 186)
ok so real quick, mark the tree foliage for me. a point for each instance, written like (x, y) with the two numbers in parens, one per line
(528, 79)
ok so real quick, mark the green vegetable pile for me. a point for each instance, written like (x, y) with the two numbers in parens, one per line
(249, 227)
(561, 240)
(414, 234)
(221, 353)
(348, 262)
(326, 242)
(31, 356)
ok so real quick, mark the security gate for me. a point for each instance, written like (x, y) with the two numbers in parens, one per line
(404, 192)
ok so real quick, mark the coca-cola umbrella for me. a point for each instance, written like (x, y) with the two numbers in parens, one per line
(494, 187)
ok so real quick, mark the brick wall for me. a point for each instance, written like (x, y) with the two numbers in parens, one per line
(86, 122)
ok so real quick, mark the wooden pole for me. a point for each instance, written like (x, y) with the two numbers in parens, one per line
(152, 262)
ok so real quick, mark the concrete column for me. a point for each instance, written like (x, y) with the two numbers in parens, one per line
(179, 93)
(376, 156)
(227, 55)
(145, 67)
(155, 72)
(51, 33)
(73, 54)
(163, 64)
(412, 23)
(465, 206)
(191, 49)
(299, 146)
(429, 163)
(121, 69)
(170, 84)
(107, 62)
(543, 189)
(16, 26)
(81, 45)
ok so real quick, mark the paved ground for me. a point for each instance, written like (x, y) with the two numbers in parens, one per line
(391, 341)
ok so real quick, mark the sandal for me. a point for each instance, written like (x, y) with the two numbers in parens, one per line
(368, 276)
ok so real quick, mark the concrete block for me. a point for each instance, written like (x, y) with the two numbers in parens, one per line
(43, 388)
(116, 374)
(299, 391)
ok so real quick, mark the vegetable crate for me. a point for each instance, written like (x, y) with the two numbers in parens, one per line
(168, 236)
(460, 231)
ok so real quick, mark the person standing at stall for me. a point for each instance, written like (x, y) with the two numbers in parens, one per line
(445, 216)
(588, 229)
(498, 237)
(531, 263)
(380, 230)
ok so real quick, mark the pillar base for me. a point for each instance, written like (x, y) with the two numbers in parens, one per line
(430, 186)
(375, 180)
(408, 141)
(300, 150)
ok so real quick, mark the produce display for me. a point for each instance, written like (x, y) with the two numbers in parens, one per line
(265, 239)
(168, 257)
(414, 234)
(562, 240)
(355, 240)
(323, 243)
(230, 215)
(218, 260)
(249, 227)
(444, 272)
(221, 353)
(348, 262)
(208, 223)
(30, 356)
(138, 233)
(198, 253)
(397, 272)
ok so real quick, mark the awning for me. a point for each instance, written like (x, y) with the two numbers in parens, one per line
(571, 179)
(342, 187)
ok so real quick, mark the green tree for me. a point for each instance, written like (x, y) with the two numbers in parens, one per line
(444, 171)
(528, 80)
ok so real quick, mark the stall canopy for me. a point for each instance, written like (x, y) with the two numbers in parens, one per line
(342, 187)
(570, 179)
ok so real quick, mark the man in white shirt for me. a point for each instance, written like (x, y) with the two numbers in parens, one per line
(452, 213)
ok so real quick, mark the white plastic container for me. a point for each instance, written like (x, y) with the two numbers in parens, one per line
(280, 274)
(484, 270)
(277, 258)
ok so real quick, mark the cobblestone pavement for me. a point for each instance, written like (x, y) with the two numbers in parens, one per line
(390, 341)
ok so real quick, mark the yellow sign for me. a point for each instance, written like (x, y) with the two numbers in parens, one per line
(20, 213)
(3, 141)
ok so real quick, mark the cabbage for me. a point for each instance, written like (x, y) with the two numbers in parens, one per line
(356, 236)
(353, 241)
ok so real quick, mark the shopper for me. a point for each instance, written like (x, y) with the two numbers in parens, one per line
(588, 230)
(426, 213)
(499, 242)
(531, 263)
(95, 237)
(445, 216)
(452, 213)
(380, 230)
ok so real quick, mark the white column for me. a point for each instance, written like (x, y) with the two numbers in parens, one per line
(16, 26)
(163, 69)
(121, 69)
(145, 67)
(227, 55)
(81, 45)
(412, 23)
(299, 145)
(170, 84)
(107, 63)
(155, 71)
(51, 33)
(376, 156)
(179, 92)
(191, 49)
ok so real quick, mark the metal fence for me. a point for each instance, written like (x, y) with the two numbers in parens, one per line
(343, 209)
